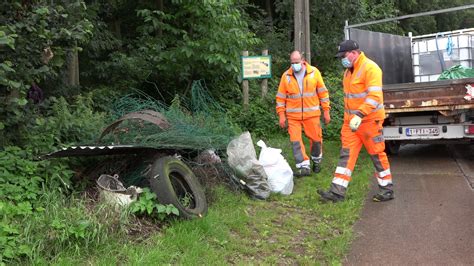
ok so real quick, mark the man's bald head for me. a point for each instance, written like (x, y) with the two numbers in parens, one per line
(296, 57)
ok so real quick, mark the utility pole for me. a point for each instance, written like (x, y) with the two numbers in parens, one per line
(302, 29)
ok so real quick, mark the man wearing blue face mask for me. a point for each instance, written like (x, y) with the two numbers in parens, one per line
(300, 98)
(363, 117)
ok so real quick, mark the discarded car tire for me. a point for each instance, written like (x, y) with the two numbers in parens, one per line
(174, 183)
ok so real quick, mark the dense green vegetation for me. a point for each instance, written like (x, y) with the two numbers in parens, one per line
(63, 64)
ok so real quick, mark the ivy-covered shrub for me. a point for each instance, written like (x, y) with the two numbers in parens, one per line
(22, 181)
(262, 121)
(25, 181)
(259, 119)
(333, 82)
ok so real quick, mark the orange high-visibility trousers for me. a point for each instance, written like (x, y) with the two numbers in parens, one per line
(370, 135)
(312, 130)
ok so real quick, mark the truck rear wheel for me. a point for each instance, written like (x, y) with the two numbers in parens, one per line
(392, 147)
(174, 183)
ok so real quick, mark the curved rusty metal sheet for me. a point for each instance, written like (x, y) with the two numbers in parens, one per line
(146, 115)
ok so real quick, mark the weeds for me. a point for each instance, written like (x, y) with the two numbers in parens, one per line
(147, 204)
(295, 229)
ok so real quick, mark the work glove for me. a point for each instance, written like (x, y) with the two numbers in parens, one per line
(282, 120)
(355, 122)
(327, 117)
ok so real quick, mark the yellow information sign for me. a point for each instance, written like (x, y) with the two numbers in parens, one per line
(256, 67)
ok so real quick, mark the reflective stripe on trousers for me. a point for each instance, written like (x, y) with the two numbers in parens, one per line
(370, 135)
(312, 129)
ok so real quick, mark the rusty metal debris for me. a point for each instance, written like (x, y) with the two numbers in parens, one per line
(145, 115)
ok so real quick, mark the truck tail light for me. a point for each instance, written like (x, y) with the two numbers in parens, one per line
(469, 130)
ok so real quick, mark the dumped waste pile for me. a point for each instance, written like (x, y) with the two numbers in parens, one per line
(199, 127)
(175, 150)
(199, 123)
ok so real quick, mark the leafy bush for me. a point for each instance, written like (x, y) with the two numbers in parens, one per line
(35, 28)
(333, 82)
(51, 124)
(260, 118)
(67, 224)
(262, 121)
(32, 200)
(64, 123)
(21, 186)
(147, 204)
(23, 179)
(19, 180)
(165, 50)
(11, 246)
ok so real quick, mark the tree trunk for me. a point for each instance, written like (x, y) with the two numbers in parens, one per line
(161, 8)
(268, 7)
(72, 77)
(117, 28)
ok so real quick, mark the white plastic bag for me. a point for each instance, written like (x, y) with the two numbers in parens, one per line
(279, 173)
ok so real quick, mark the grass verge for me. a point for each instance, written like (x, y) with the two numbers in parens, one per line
(295, 229)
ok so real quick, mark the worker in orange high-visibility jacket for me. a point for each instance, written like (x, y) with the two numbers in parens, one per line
(300, 98)
(363, 117)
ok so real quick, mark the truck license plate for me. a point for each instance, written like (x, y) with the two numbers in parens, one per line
(424, 131)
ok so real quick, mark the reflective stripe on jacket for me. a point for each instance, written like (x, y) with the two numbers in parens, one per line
(363, 91)
(303, 104)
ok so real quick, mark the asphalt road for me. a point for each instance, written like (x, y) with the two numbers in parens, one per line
(431, 219)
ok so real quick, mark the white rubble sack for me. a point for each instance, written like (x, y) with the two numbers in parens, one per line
(280, 175)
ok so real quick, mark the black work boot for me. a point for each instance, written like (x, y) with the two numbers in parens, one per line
(316, 167)
(384, 195)
(327, 196)
(303, 171)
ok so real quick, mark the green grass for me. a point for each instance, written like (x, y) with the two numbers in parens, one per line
(295, 229)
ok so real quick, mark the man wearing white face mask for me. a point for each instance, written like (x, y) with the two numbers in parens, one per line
(300, 98)
(363, 117)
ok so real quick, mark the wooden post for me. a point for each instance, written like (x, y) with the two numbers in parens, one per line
(298, 23)
(245, 87)
(302, 29)
(307, 34)
(264, 81)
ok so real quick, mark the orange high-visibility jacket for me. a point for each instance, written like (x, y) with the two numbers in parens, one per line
(363, 91)
(303, 104)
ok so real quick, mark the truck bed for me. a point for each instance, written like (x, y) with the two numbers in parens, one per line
(427, 96)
